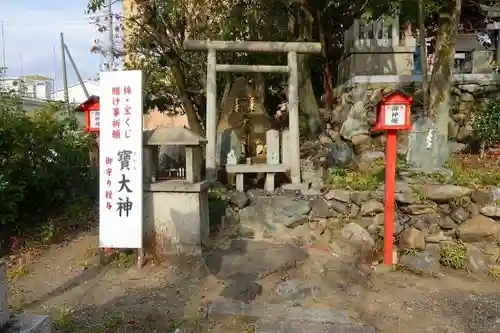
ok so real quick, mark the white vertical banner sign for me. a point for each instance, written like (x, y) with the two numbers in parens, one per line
(120, 160)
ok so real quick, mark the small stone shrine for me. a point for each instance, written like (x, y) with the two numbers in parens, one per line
(175, 208)
(20, 323)
(243, 124)
(246, 142)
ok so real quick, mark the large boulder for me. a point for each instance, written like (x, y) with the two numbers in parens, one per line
(339, 154)
(479, 228)
(356, 234)
(445, 193)
(266, 215)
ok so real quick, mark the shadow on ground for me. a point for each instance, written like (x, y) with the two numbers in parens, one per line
(163, 310)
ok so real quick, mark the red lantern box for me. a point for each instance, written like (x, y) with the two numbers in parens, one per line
(91, 107)
(393, 112)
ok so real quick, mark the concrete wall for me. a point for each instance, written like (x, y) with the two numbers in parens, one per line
(379, 61)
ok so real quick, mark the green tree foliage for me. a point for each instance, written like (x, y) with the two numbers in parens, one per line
(43, 166)
(176, 79)
(487, 124)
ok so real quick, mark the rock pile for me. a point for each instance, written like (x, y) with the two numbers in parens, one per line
(430, 220)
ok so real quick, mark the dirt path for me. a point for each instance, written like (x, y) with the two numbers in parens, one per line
(68, 283)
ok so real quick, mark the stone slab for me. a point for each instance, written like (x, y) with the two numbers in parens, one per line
(4, 296)
(286, 311)
(310, 327)
(255, 168)
(302, 187)
(253, 259)
(28, 323)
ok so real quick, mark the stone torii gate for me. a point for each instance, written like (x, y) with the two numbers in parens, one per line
(292, 49)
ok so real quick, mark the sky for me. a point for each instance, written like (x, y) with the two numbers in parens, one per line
(32, 41)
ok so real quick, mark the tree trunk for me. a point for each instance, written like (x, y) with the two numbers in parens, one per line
(307, 100)
(441, 79)
(327, 77)
(308, 104)
(225, 93)
(191, 114)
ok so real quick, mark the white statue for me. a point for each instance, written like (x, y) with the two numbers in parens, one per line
(231, 158)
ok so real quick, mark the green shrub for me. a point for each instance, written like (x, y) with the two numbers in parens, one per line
(43, 165)
(487, 124)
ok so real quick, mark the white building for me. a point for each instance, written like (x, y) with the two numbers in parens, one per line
(31, 86)
(76, 94)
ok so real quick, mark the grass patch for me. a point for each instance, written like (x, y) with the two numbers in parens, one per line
(494, 271)
(17, 271)
(366, 178)
(63, 321)
(467, 170)
(122, 259)
(470, 173)
(350, 179)
(66, 322)
(453, 255)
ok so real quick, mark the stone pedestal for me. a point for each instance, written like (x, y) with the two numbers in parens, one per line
(176, 217)
(273, 156)
(4, 297)
(285, 148)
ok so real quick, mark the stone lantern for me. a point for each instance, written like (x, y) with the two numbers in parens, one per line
(175, 208)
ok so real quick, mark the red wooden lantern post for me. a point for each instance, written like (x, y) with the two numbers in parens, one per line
(393, 114)
(91, 107)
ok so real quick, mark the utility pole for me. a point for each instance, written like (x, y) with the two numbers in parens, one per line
(64, 74)
(77, 72)
(111, 50)
(3, 47)
(3, 69)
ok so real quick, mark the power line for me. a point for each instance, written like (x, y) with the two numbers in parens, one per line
(80, 21)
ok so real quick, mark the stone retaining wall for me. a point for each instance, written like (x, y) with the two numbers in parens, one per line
(432, 221)
(354, 114)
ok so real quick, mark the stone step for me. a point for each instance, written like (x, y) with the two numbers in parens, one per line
(293, 326)
(288, 317)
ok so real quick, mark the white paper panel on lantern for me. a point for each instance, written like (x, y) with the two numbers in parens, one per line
(395, 114)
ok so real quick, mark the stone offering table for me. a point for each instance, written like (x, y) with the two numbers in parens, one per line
(175, 210)
(270, 168)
